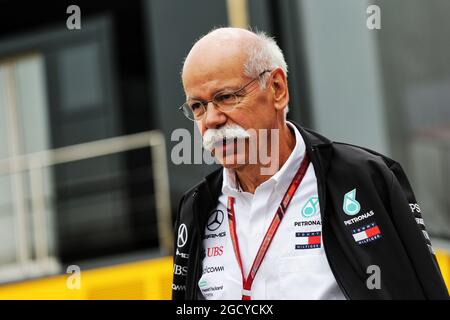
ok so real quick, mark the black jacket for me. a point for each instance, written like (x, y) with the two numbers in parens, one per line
(408, 268)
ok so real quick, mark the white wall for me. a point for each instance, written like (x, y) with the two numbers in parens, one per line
(341, 53)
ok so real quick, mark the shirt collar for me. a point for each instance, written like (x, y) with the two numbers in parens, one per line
(281, 179)
(230, 185)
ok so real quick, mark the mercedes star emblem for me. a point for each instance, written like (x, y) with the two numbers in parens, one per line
(215, 220)
(182, 236)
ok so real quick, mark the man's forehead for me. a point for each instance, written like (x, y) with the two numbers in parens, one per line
(219, 48)
(215, 56)
(213, 67)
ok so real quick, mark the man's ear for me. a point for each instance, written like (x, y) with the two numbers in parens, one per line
(279, 88)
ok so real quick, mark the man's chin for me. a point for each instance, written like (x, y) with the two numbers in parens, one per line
(232, 166)
(232, 162)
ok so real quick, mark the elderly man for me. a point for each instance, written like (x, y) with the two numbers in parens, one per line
(315, 220)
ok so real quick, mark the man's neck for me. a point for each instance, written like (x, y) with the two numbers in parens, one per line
(250, 177)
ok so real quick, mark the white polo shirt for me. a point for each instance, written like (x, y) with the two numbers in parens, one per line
(295, 266)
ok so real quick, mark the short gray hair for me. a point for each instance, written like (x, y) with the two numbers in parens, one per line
(264, 54)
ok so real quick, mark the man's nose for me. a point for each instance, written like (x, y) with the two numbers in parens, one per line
(214, 118)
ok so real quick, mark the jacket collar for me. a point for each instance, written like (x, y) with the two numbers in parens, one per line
(315, 141)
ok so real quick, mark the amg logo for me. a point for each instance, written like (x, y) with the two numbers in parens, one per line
(183, 255)
(215, 235)
(178, 287)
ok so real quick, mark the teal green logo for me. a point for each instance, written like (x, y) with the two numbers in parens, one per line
(351, 206)
(311, 207)
(202, 283)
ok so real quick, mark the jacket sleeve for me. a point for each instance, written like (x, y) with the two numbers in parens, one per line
(407, 217)
(178, 280)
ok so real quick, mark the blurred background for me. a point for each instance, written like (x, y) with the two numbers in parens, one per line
(86, 117)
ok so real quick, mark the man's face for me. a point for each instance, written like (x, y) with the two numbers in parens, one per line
(212, 70)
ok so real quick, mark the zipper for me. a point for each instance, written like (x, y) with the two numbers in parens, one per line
(197, 264)
(322, 195)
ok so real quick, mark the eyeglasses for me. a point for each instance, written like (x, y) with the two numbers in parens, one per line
(224, 101)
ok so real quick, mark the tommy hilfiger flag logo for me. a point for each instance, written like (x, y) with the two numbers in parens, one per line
(308, 240)
(367, 233)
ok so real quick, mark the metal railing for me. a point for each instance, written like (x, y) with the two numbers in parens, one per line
(33, 164)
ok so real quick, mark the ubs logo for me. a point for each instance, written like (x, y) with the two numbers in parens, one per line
(214, 251)
(215, 220)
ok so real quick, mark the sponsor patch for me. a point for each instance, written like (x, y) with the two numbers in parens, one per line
(209, 292)
(182, 255)
(414, 208)
(308, 240)
(359, 218)
(215, 220)
(420, 221)
(351, 206)
(311, 207)
(180, 270)
(307, 223)
(214, 235)
(178, 287)
(214, 251)
(211, 269)
(202, 283)
(367, 233)
(182, 235)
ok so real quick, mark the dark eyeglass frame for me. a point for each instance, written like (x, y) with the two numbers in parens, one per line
(234, 97)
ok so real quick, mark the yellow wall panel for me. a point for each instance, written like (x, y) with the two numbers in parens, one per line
(150, 279)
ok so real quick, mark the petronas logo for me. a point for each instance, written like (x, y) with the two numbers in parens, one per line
(351, 206)
(311, 207)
